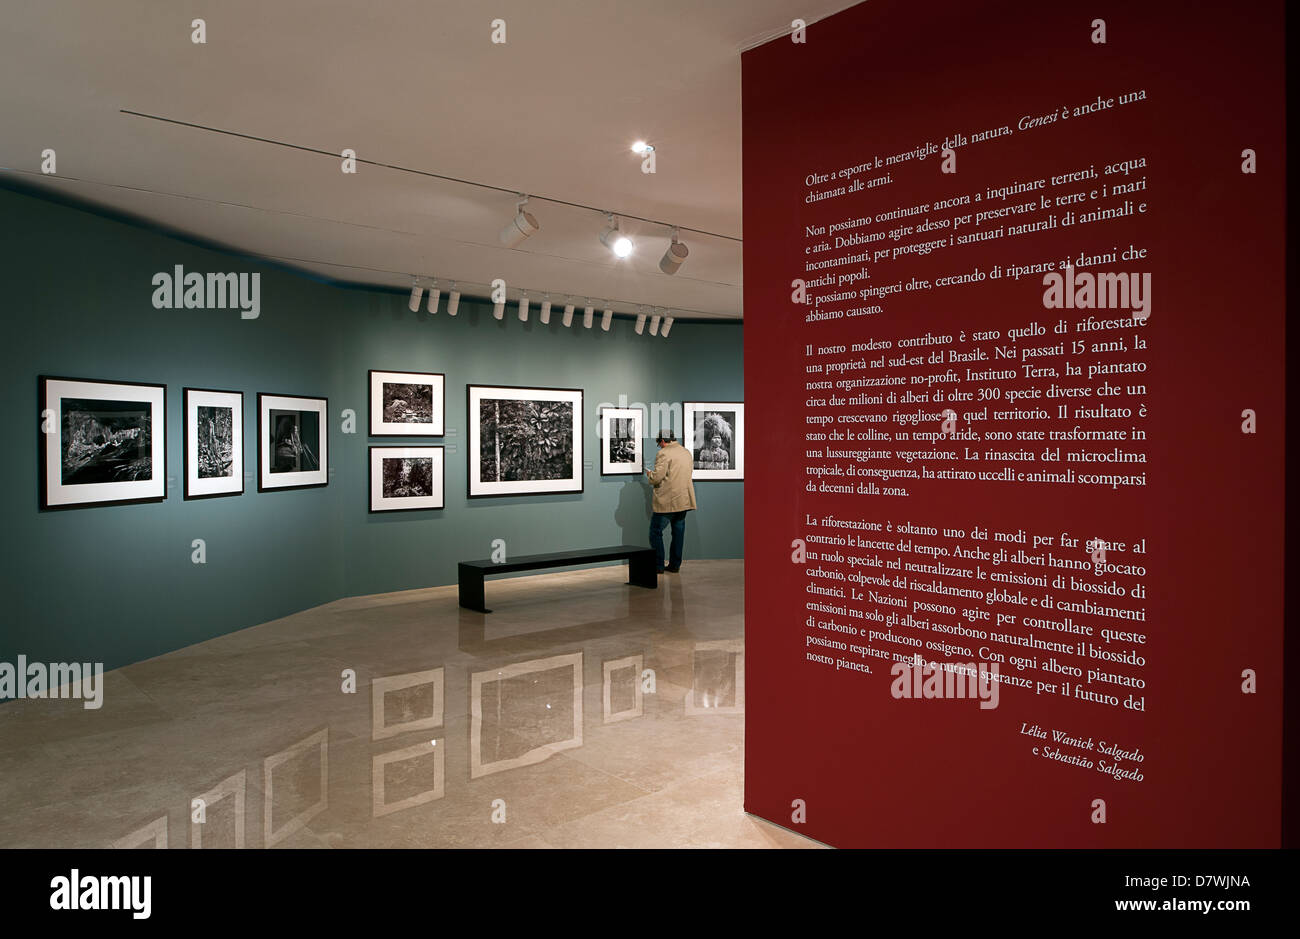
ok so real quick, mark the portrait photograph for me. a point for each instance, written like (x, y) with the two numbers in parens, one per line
(715, 436)
(621, 433)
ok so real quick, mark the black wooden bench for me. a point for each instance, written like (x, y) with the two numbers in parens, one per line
(641, 564)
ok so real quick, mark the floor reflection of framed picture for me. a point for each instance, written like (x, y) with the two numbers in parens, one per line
(717, 678)
(301, 774)
(214, 443)
(406, 479)
(524, 713)
(621, 689)
(403, 703)
(229, 795)
(292, 442)
(403, 779)
(101, 442)
(154, 834)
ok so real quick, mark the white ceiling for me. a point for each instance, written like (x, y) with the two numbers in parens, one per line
(416, 84)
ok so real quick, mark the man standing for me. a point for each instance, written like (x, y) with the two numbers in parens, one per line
(674, 496)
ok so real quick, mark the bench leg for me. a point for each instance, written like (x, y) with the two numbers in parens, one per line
(470, 588)
(641, 570)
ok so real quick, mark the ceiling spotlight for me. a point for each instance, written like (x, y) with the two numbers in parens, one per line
(606, 319)
(546, 309)
(523, 225)
(417, 292)
(615, 240)
(523, 307)
(640, 320)
(674, 256)
(642, 147)
(587, 314)
(434, 295)
(654, 325)
(568, 313)
(668, 324)
(453, 300)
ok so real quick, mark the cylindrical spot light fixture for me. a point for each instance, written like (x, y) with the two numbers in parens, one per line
(453, 300)
(674, 256)
(521, 227)
(614, 239)
(606, 319)
(668, 324)
(567, 319)
(434, 295)
(523, 307)
(417, 293)
(545, 315)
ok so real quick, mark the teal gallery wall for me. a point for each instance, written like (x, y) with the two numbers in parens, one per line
(117, 584)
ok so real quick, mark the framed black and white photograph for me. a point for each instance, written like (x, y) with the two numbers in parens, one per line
(714, 433)
(406, 404)
(621, 433)
(292, 442)
(101, 442)
(524, 441)
(214, 443)
(405, 478)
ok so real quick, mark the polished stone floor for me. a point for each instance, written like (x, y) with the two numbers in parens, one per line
(580, 713)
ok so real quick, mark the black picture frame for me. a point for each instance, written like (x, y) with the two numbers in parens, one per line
(50, 497)
(317, 478)
(241, 443)
(576, 481)
(736, 472)
(638, 464)
(435, 428)
(440, 479)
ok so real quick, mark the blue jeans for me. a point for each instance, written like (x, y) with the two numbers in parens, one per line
(657, 522)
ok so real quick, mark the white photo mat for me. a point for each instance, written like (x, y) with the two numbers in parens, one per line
(634, 466)
(381, 503)
(476, 394)
(266, 403)
(233, 483)
(379, 427)
(694, 413)
(57, 494)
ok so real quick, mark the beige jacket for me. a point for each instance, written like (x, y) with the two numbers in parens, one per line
(674, 491)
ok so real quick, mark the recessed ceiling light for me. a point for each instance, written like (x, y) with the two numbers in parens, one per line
(642, 147)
